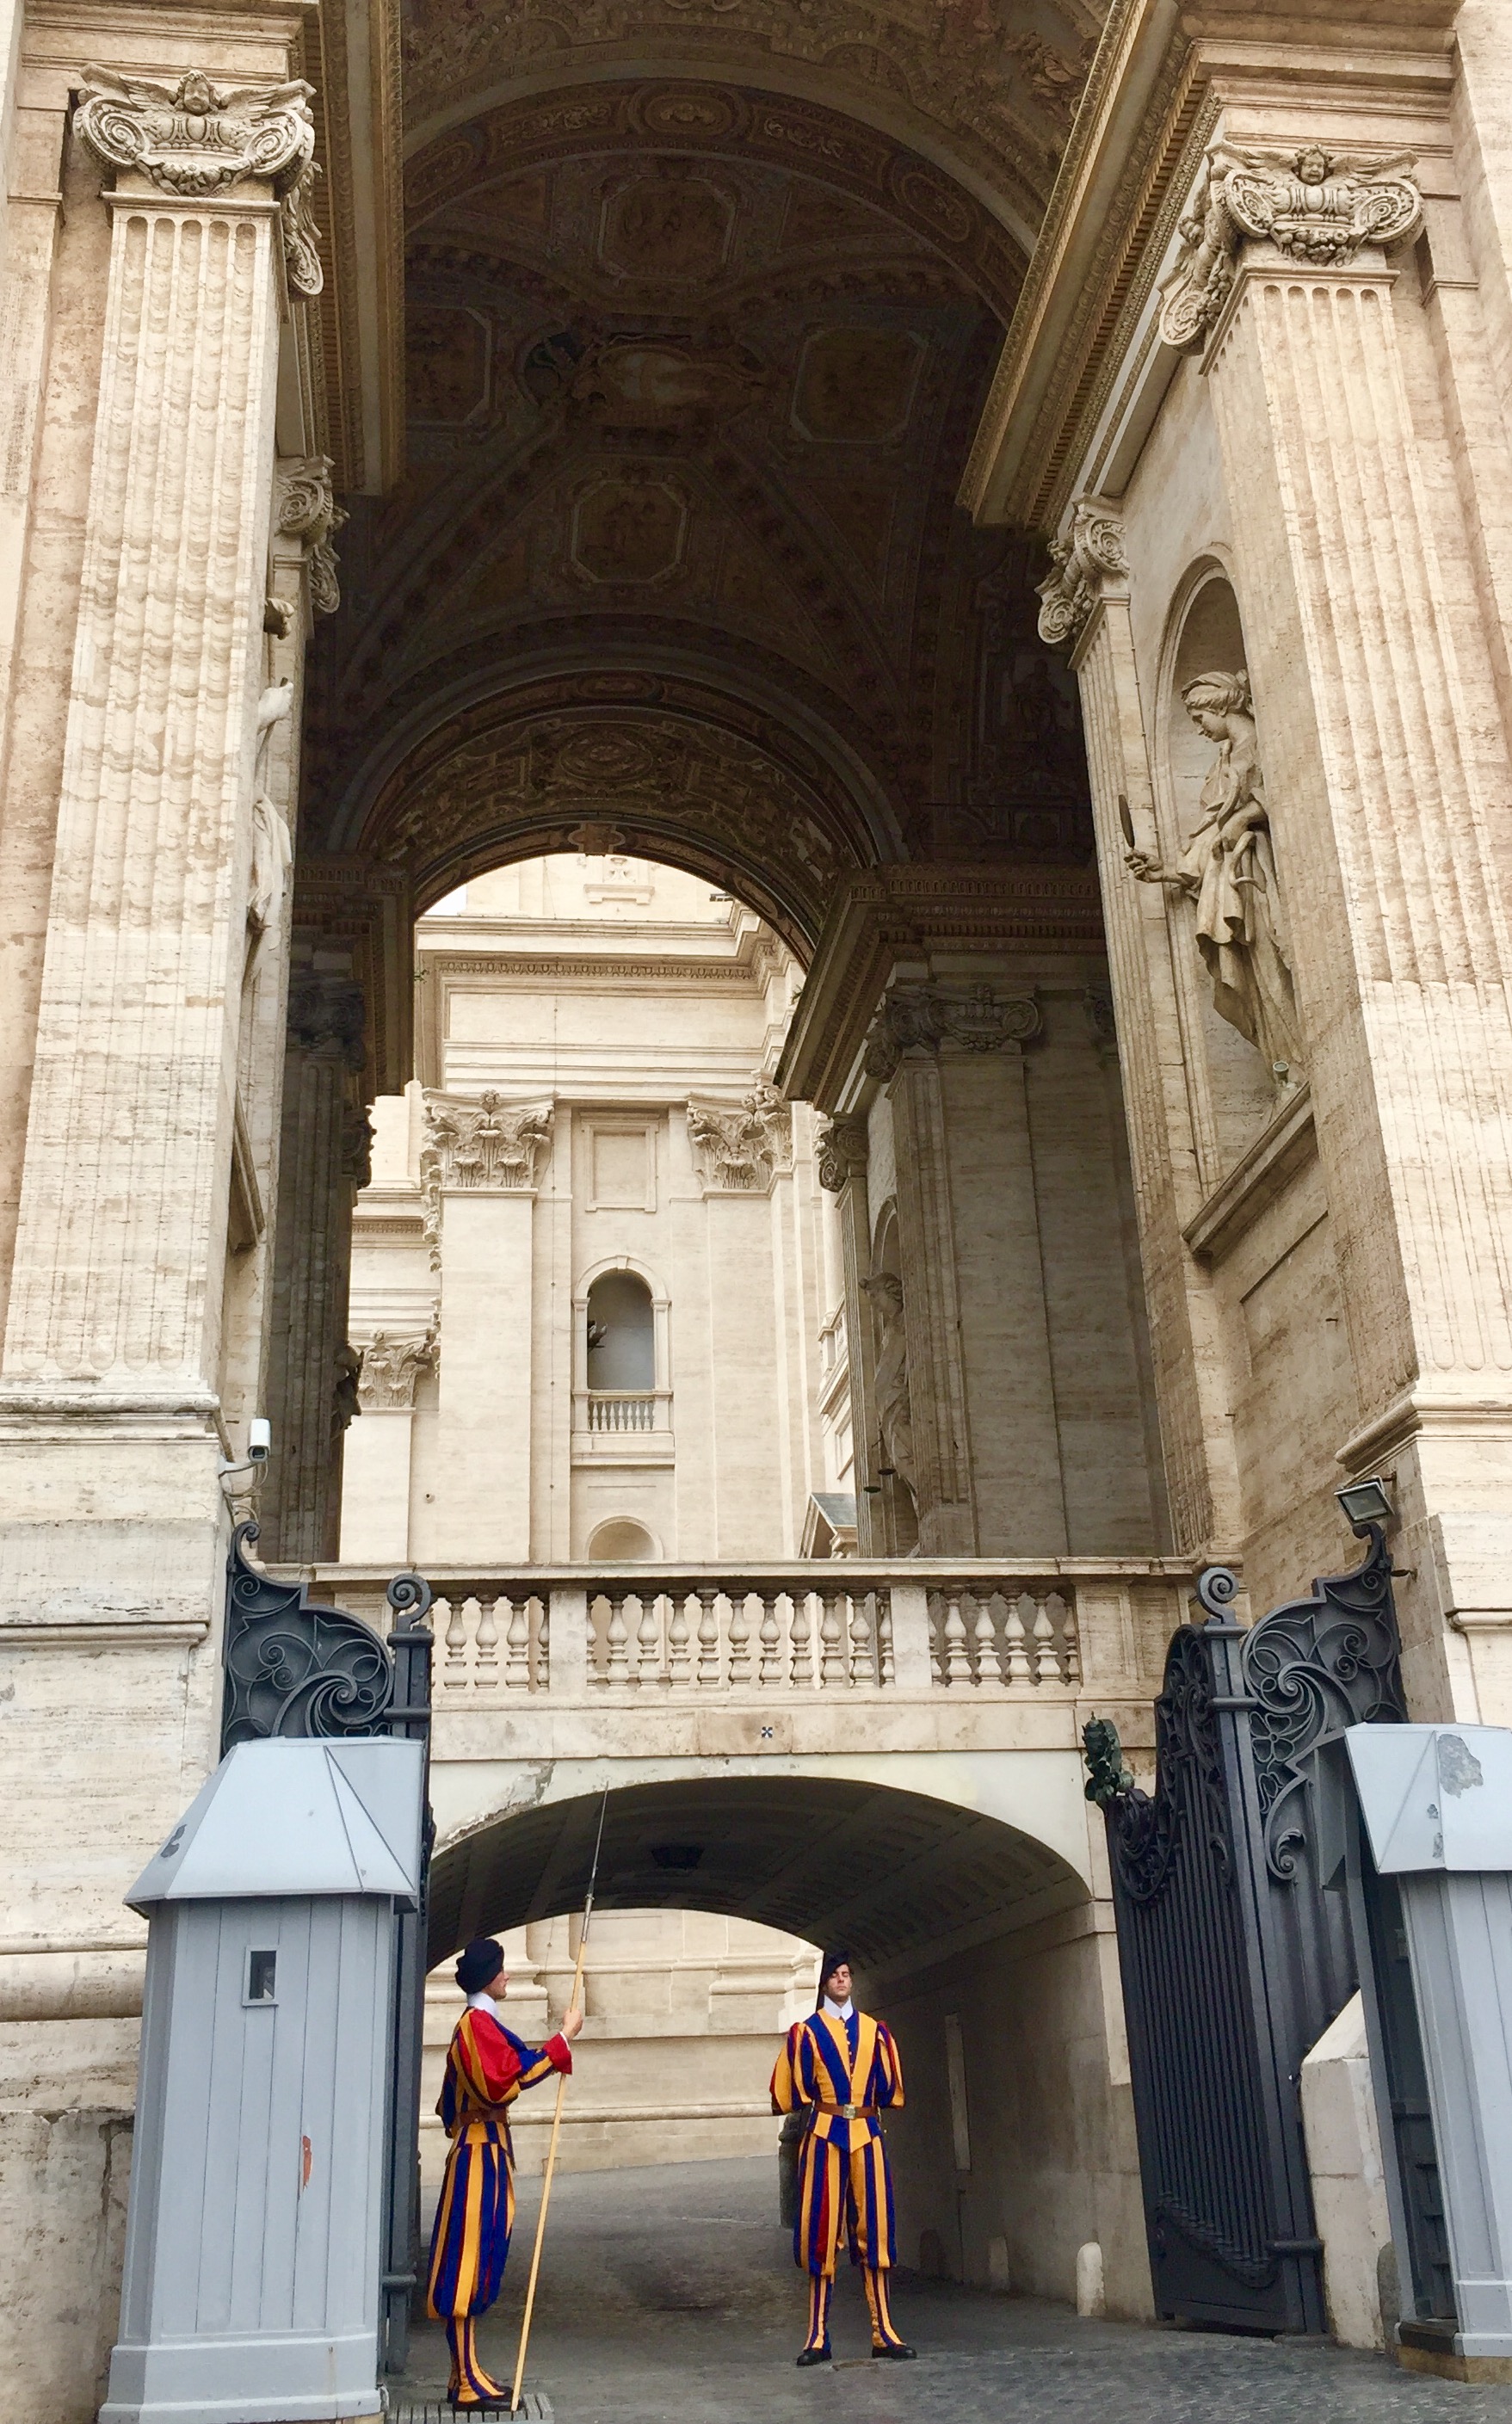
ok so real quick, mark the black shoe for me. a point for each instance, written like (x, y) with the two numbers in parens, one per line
(897, 2349)
(816, 2356)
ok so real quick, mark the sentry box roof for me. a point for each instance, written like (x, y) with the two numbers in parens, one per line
(1434, 1798)
(296, 1818)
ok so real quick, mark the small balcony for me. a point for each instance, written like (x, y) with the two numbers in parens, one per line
(621, 1426)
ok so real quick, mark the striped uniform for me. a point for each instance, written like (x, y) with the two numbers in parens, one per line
(486, 2069)
(847, 2072)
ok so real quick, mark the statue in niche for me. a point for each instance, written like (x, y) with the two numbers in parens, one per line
(1228, 869)
(895, 1417)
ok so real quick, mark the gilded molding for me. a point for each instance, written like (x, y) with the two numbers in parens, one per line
(1316, 208)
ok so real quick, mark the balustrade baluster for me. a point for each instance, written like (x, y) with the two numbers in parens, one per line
(1065, 1617)
(544, 1649)
(1018, 1655)
(679, 1665)
(648, 1641)
(882, 1605)
(863, 1653)
(454, 1665)
(957, 1656)
(739, 1636)
(984, 1639)
(803, 1665)
(517, 1645)
(770, 1640)
(708, 1658)
(618, 1671)
(831, 1640)
(487, 1677)
(1046, 1664)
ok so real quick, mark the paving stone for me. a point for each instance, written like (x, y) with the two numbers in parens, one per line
(669, 2296)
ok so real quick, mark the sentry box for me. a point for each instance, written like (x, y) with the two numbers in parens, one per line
(252, 2241)
(1437, 1803)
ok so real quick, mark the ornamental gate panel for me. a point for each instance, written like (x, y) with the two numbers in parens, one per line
(1235, 1957)
(292, 1667)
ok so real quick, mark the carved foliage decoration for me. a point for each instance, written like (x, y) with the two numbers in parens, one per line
(927, 1018)
(739, 1152)
(841, 1154)
(195, 137)
(390, 1368)
(1091, 552)
(484, 1145)
(1315, 208)
(306, 509)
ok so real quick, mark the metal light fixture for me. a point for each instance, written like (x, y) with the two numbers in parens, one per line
(1365, 1503)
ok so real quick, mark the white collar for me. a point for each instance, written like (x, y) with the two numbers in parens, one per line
(838, 2011)
(483, 2002)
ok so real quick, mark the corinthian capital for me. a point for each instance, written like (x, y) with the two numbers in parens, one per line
(928, 1019)
(195, 137)
(1314, 207)
(1091, 552)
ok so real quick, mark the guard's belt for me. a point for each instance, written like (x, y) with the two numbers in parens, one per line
(854, 2111)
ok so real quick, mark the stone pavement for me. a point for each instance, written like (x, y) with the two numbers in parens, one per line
(669, 2296)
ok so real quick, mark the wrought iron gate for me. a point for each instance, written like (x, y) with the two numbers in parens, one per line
(1234, 1957)
(292, 1667)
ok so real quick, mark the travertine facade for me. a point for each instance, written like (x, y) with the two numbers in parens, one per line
(570, 463)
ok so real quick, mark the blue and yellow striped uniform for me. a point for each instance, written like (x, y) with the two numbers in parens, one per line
(486, 2067)
(847, 2072)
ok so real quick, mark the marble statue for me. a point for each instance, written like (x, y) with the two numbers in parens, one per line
(1227, 869)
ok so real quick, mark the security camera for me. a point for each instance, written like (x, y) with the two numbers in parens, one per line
(259, 1440)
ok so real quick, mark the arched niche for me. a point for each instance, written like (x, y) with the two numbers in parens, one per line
(1204, 636)
(621, 1321)
(620, 1540)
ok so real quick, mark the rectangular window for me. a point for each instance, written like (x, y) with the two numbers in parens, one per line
(261, 1975)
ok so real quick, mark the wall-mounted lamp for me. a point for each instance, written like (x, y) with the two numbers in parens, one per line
(1365, 1503)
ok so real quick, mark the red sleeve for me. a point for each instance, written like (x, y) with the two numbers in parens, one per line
(498, 2063)
(558, 2052)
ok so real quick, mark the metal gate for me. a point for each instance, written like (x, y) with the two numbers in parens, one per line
(1234, 1957)
(292, 1667)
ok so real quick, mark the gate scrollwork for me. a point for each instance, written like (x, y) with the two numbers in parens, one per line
(1312, 1667)
(295, 1669)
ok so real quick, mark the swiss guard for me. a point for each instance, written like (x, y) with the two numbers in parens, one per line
(844, 2067)
(486, 2069)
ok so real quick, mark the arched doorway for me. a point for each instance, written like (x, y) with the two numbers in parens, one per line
(974, 1936)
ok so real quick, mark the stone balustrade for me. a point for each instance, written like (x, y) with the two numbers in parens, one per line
(790, 1631)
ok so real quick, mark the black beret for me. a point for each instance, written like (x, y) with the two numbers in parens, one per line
(479, 1964)
(829, 1963)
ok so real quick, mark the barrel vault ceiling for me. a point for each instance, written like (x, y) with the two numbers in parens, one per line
(677, 561)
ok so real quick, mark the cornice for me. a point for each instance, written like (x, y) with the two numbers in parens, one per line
(898, 914)
(1159, 90)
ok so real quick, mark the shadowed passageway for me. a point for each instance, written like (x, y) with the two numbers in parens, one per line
(669, 2296)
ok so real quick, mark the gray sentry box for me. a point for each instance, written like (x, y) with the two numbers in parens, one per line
(1437, 1803)
(252, 2246)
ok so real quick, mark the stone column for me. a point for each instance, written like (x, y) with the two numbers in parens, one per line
(312, 1393)
(842, 1167)
(1389, 771)
(113, 1342)
(973, 1294)
(1086, 603)
(377, 1465)
(480, 1167)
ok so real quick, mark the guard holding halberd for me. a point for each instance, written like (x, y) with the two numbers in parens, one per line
(486, 2067)
(844, 2067)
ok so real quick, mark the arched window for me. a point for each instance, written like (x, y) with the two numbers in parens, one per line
(621, 1334)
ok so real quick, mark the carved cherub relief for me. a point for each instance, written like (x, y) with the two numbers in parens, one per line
(1227, 869)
